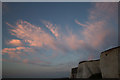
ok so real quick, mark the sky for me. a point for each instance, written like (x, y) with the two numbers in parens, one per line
(46, 40)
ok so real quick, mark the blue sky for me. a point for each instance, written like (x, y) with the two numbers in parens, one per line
(46, 40)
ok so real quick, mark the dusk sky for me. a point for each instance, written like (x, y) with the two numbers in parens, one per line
(46, 40)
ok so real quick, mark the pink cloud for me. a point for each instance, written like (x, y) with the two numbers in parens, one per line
(27, 61)
(15, 42)
(17, 52)
(104, 11)
(96, 29)
(11, 52)
(52, 28)
(95, 33)
(32, 34)
(73, 42)
(80, 23)
(40, 38)
(35, 60)
(10, 25)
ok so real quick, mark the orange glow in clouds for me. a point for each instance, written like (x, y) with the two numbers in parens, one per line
(15, 42)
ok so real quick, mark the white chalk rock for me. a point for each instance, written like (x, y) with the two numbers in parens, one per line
(74, 72)
(88, 68)
(110, 63)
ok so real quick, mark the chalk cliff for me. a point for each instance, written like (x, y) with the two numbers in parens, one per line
(107, 67)
(88, 68)
(110, 63)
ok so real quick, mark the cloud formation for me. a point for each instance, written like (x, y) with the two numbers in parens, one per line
(17, 52)
(15, 42)
(32, 34)
(99, 27)
(95, 33)
(52, 28)
(97, 30)
(73, 42)
(104, 11)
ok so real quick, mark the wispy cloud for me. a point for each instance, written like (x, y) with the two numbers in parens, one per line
(73, 42)
(95, 33)
(98, 27)
(52, 28)
(104, 11)
(97, 30)
(32, 34)
(35, 61)
(17, 52)
(33, 37)
(80, 23)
